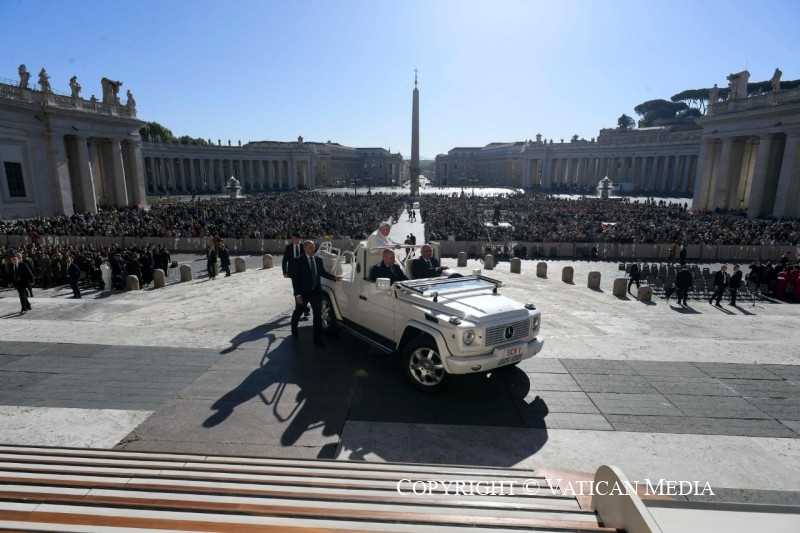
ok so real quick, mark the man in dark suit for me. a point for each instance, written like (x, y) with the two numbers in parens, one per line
(306, 272)
(636, 272)
(293, 250)
(684, 282)
(426, 266)
(735, 283)
(721, 281)
(387, 268)
(225, 259)
(22, 276)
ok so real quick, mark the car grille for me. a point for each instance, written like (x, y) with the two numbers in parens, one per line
(497, 334)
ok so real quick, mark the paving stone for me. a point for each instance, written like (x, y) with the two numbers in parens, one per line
(666, 369)
(735, 371)
(702, 426)
(7, 359)
(485, 415)
(539, 364)
(761, 388)
(788, 372)
(716, 407)
(794, 425)
(564, 402)
(73, 350)
(553, 382)
(633, 404)
(14, 381)
(23, 348)
(583, 421)
(780, 408)
(620, 383)
(597, 366)
(704, 386)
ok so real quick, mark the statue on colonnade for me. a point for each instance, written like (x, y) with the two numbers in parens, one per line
(131, 101)
(110, 91)
(44, 81)
(75, 87)
(24, 76)
(776, 80)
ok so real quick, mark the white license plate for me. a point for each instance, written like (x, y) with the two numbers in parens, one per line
(511, 354)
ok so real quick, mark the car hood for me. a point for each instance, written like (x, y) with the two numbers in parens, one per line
(475, 307)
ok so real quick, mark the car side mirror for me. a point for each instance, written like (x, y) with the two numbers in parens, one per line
(383, 284)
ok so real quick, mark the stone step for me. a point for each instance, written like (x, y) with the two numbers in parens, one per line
(70, 489)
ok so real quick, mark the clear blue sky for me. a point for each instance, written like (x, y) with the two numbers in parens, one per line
(343, 70)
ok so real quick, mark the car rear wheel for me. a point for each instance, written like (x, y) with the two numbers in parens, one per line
(424, 366)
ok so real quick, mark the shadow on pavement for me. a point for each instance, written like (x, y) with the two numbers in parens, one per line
(311, 392)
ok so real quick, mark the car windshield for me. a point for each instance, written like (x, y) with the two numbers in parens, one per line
(448, 286)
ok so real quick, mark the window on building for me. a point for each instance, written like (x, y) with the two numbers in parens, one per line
(16, 185)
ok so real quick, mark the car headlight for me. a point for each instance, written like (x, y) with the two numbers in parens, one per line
(536, 322)
(468, 337)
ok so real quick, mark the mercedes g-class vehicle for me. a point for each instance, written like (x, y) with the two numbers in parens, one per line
(440, 327)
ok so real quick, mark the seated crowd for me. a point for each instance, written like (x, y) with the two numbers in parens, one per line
(540, 218)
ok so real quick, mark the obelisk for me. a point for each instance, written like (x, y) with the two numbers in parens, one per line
(414, 170)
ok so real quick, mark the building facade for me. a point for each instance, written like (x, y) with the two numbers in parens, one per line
(61, 154)
(266, 166)
(744, 154)
(651, 160)
(750, 152)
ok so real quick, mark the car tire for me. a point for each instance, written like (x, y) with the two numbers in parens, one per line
(327, 316)
(424, 367)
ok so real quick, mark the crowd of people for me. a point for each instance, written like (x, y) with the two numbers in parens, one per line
(539, 218)
(50, 265)
(315, 215)
(267, 216)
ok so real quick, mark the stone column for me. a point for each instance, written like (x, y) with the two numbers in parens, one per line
(723, 175)
(706, 161)
(260, 167)
(114, 151)
(637, 173)
(192, 173)
(674, 184)
(547, 172)
(758, 185)
(173, 173)
(787, 203)
(135, 177)
(163, 165)
(683, 185)
(88, 196)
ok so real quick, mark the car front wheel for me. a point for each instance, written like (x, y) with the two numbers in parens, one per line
(424, 366)
(326, 314)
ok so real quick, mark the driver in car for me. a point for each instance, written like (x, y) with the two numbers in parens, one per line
(387, 268)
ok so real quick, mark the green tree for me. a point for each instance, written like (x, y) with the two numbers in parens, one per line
(155, 132)
(659, 109)
(625, 122)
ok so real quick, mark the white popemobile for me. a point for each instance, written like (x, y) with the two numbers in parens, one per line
(439, 326)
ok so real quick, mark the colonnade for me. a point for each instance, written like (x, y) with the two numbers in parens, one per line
(668, 173)
(100, 171)
(757, 172)
(186, 174)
